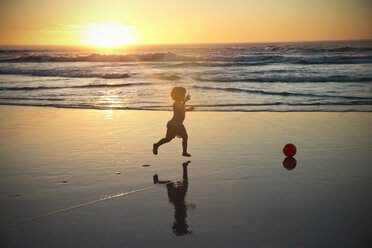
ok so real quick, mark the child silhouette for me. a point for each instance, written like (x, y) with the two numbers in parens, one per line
(175, 125)
(177, 195)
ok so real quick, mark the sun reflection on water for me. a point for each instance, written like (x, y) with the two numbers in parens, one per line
(109, 114)
(110, 100)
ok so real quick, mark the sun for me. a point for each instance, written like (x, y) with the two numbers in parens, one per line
(107, 34)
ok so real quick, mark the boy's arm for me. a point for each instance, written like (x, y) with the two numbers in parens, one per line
(190, 109)
(187, 98)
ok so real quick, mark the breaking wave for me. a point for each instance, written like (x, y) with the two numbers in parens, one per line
(189, 61)
(72, 86)
(64, 73)
(287, 79)
(283, 93)
(100, 58)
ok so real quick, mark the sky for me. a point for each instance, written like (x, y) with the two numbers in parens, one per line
(77, 22)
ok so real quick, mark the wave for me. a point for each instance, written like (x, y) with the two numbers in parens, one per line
(64, 73)
(110, 75)
(302, 48)
(100, 58)
(262, 59)
(269, 59)
(341, 49)
(283, 93)
(346, 59)
(278, 79)
(216, 64)
(287, 104)
(82, 74)
(78, 106)
(243, 60)
(31, 99)
(27, 88)
(172, 77)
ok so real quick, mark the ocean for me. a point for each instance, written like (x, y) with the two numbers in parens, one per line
(275, 77)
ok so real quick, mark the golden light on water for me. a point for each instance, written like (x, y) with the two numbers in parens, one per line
(108, 114)
(107, 34)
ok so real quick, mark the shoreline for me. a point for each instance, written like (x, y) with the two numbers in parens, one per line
(197, 111)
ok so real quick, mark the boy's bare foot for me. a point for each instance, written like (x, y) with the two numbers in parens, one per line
(155, 149)
(186, 154)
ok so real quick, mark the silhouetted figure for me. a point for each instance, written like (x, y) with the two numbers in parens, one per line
(175, 126)
(176, 195)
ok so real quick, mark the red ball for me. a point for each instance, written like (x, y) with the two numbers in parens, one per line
(289, 150)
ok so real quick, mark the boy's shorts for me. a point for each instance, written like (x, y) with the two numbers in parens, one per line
(175, 128)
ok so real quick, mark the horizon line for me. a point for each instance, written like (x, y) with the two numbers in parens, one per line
(196, 43)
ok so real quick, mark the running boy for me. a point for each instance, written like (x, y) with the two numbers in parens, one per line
(175, 125)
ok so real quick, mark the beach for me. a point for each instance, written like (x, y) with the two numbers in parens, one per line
(84, 178)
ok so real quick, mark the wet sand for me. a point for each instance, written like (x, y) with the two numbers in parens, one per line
(84, 178)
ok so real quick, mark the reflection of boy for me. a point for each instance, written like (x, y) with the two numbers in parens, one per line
(176, 196)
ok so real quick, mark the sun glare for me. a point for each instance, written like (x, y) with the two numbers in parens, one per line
(108, 34)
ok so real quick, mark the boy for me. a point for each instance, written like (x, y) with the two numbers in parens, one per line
(175, 125)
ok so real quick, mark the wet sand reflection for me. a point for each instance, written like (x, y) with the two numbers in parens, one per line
(176, 195)
(289, 163)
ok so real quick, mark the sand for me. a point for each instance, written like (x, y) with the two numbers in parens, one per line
(84, 178)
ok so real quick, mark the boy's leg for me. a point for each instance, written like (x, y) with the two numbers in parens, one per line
(184, 142)
(163, 141)
(169, 136)
(160, 142)
(184, 145)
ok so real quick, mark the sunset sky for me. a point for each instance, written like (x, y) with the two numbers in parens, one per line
(120, 22)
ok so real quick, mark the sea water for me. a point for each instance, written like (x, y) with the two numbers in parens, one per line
(303, 76)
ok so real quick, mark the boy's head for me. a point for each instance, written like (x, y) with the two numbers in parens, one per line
(178, 93)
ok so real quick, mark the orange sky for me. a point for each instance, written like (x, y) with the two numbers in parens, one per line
(35, 22)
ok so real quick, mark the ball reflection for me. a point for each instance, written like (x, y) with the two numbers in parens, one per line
(289, 163)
